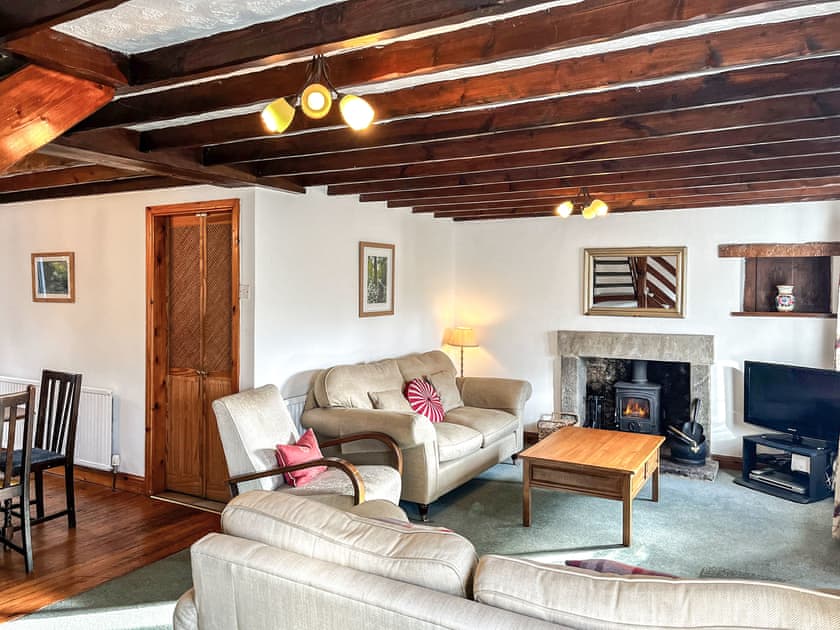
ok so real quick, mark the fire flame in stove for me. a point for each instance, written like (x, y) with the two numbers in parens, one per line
(636, 409)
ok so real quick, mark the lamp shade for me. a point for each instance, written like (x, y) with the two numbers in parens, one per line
(356, 111)
(278, 115)
(316, 100)
(461, 336)
(601, 208)
(589, 211)
(565, 209)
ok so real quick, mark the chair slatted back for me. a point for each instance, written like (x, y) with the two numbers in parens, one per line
(10, 416)
(58, 411)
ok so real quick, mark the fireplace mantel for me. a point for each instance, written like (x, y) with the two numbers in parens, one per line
(574, 345)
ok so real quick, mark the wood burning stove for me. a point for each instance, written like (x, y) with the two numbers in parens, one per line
(637, 406)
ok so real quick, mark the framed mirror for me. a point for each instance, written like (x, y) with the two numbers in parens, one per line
(635, 281)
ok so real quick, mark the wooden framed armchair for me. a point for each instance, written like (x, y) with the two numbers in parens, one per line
(253, 422)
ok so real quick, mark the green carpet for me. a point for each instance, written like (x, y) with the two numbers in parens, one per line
(698, 528)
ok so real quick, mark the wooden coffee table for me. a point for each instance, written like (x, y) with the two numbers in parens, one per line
(598, 463)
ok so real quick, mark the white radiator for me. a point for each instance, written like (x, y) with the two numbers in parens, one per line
(295, 405)
(96, 433)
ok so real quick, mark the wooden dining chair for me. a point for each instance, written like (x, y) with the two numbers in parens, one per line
(55, 438)
(14, 470)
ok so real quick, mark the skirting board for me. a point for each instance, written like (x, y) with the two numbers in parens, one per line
(124, 481)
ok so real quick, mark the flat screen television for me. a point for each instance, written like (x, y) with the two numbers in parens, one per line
(803, 402)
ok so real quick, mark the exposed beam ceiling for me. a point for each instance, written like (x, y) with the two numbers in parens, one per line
(22, 18)
(485, 108)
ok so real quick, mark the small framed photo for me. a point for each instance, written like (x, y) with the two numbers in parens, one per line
(376, 279)
(52, 277)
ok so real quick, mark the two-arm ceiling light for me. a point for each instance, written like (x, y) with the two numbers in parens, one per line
(583, 203)
(315, 100)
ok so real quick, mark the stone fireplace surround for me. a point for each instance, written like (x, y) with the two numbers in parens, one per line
(573, 346)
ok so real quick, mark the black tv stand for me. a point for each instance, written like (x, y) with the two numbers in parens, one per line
(772, 474)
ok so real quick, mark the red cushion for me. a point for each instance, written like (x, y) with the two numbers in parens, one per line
(424, 399)
(304, 451)
(603, 565)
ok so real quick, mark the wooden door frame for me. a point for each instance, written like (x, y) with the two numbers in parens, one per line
(157, 345)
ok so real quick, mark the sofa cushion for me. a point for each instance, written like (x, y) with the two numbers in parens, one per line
(456, 441)
(493, 424)
(584, 599)
(435, 558)
(424, 399)
(390, 400)
(348, 385)
(444, 383)
(419, 365)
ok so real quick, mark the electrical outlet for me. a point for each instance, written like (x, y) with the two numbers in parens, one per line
(244, 292)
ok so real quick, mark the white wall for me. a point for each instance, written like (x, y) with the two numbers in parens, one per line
(306, 287)
(517, 281)
(103, 334)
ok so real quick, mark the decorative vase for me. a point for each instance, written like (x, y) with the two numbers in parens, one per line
(785, 300)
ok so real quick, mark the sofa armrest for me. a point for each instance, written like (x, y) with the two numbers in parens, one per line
(186, 615)
(407, 429)
(495, 393)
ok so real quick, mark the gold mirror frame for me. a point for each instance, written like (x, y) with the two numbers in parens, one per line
(591, 306)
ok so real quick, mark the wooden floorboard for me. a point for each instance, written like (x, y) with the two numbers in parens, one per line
(116, 533)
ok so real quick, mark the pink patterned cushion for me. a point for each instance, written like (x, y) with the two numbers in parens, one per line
(603, 565)
(424, 399)
(306, 450)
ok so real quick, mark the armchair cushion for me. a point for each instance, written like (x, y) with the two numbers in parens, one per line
(456, 441)
(391, 400)
(381, 482)
(491, 424)
(304, 450)
(436, 558)
(444, 383)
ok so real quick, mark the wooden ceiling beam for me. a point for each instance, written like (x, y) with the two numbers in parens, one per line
(712, 163)
(549, 29)
(808, 75)
(745, 115)
(332, 27)
(73, 56)
(117, 148)
(94, 188)
(668, 204)
(712, 53)
(662, 193)
(64, 177)
(754, 141)
(37, 105)
(35, 163)
(22, 18)
(570, 188)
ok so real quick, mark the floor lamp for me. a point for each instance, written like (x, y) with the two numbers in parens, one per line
(461, 337)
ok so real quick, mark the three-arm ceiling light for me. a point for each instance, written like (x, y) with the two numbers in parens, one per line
(315, 100)
(583, 203)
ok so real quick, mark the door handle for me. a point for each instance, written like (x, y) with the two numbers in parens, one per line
(201, 372)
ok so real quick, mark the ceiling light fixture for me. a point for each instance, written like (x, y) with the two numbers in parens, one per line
(583, 203)
(315, 100)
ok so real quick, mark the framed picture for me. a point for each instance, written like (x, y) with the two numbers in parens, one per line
(52, 277)
(376, 279)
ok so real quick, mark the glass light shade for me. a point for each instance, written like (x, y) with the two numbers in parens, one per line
(590, 211)
(356, 111)
(278, 115)
(316, 100)
(565, 209)
(601, 208)
(462, 336)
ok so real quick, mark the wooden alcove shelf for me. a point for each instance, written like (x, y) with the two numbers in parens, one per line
(777, 314)
(807, 266)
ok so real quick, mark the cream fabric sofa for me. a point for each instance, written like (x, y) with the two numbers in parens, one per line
(482, 427)
(287, 562)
